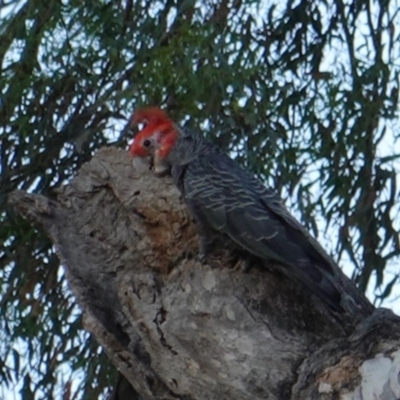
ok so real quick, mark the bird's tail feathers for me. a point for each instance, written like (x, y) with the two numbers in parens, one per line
(321, 285)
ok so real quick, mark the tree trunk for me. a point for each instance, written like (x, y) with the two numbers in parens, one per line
(177, 329)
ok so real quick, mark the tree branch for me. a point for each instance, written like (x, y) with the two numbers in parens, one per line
(177, 329)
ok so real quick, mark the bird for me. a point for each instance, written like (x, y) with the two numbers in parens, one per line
(226, 199)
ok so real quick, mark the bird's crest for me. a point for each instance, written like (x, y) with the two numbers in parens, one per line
(152, 115)
(158, 127)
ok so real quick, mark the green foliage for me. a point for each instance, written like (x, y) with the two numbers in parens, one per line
(303, 93)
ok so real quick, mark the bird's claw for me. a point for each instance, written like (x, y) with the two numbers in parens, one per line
(188, 255)
(247, 265)
(202, 257)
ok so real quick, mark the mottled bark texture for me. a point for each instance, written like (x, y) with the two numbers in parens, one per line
(177, 329)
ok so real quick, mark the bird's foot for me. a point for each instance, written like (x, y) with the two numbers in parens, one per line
(244, 262)
(202, 257)
(247, 265)
(241, 265)
(205, 248)
(250, 263)
(189, 255)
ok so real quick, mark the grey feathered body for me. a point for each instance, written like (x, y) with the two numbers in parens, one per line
(228, 199)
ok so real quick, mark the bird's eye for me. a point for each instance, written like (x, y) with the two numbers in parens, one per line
(146, 143)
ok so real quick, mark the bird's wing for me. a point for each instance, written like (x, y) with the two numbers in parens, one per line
(232, 201)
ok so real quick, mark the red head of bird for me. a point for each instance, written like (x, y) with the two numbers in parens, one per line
(169, 144)
(157, 137)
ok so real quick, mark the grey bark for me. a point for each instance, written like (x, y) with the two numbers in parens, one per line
(177, 329)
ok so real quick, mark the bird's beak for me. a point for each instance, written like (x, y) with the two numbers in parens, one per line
(161, 168)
